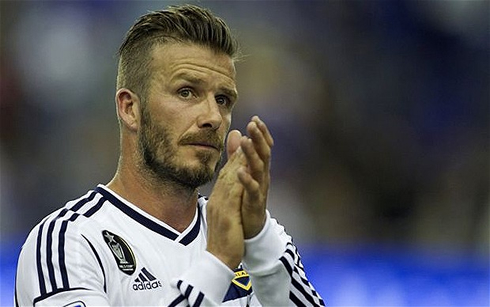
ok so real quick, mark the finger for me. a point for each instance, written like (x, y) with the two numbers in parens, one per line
(265, 131)
(235, 161)
(260, 143)
(235, 192)
(251, 186)
(254, 161)
(233, 142)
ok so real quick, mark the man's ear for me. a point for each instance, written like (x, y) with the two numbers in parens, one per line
(128, 108)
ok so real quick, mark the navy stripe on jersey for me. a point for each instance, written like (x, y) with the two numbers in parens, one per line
(160, 229)
(177, 301)
(299, 284)
(188, 291)
(49, 252)
(45, 296)
(300, 288)
(199, 299)
(99, 261)
(194, 297)
(60, 246)
(95, 208)
(42, 285)
(137, 216)
(296, 300)
(61, 243)
(286, 265)
(61, 254)
(194, 231)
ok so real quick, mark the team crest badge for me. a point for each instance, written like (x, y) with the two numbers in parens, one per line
(242, 280)
(121, 251)
(241, 285)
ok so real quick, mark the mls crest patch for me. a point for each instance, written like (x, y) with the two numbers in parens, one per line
(122, 252)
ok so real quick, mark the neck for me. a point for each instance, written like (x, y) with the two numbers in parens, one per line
(168, 201)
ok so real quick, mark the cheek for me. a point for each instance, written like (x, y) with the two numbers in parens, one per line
(169, 119)
(225, 127)
(227, 121)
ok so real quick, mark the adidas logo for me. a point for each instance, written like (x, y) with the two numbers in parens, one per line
(146, 281)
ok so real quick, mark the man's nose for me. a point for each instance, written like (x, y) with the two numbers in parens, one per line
(210, 116)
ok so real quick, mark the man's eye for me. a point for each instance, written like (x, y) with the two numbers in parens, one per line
(223, 100)
(185, 93)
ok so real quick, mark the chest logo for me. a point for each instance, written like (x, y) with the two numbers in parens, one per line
(146, 281)
(121, 251)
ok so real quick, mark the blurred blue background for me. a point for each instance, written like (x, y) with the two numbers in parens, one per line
(379, 109)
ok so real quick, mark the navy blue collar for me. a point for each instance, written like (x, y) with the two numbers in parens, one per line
(160, 229)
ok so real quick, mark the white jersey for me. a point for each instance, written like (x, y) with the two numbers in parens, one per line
(101, 250)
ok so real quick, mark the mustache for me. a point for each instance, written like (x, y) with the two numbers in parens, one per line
(206, 137)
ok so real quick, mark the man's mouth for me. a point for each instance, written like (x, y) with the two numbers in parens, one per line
(204, 140)
(205, 145)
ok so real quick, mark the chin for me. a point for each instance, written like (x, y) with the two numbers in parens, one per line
(208, 160)
(202, 167)
(208, 168)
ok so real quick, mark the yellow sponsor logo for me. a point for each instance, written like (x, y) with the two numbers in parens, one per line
(240, 278)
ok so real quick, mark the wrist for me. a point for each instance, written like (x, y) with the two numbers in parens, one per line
(254, 229)
(231, 262)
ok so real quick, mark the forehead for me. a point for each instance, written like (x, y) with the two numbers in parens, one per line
(172, 58)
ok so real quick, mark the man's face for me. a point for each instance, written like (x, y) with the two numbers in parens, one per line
(187, 114)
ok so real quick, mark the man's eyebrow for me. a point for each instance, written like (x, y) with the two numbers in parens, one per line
(188, 77)
(198, 81)
(230, 93)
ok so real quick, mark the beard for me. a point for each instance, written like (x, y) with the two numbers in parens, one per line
(160, 157)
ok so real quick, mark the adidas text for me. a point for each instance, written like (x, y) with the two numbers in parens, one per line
(148, 285)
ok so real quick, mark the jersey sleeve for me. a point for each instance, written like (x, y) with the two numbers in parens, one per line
(277, 274)
(208, 288)
(59, 269)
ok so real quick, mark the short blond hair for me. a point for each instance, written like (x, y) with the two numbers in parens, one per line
(185, 23)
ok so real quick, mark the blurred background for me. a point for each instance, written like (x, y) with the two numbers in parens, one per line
(379, 109)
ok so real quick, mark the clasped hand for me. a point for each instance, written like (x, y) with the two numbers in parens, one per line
(237, 205)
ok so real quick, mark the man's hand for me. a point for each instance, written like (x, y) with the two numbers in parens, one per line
(256, 177)
(225, 230)
(236, 209)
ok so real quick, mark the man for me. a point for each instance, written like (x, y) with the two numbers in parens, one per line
(148, 237)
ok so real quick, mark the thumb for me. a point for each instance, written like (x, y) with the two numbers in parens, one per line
(233, 142)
